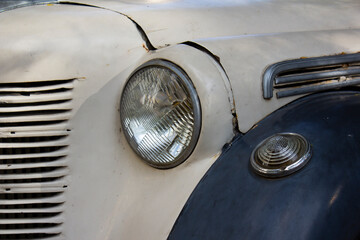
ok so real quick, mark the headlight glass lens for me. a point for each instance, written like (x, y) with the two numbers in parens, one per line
(160, 114)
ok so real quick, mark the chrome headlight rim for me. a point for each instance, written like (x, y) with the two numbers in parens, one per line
(188, 84)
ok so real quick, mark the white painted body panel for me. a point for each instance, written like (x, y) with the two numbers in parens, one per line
(248, 36)
(174, 21)
(246, 58)
(130, 199)
(112, 194)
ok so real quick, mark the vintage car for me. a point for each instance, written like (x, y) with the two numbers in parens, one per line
(179, 119)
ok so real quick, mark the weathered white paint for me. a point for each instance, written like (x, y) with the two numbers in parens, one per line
(246, 57)
(112, 194)
(174, 21)
(138, 201)
(248, 36)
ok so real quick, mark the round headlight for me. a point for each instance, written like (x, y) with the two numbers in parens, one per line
(160, 114)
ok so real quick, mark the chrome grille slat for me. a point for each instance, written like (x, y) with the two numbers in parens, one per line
(54, 199)
(317, 75)
(34, 230)
(35, 98)
(15, 88)
(60, 106)
(31, 210)
(59, 182)
(317, 87)
(57, 186)
(52, 174)
(58, 163)
(51, 127)
(59, 153)
(34, 134)
(34, 143)
(34, 118)
(308, 75)
(44, 188)
(32, 220)
(10, 151)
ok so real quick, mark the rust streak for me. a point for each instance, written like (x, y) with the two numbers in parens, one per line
(147, 50)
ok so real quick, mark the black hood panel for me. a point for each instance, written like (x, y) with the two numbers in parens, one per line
(321, 201)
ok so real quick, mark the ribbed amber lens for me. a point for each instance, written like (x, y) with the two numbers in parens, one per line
(158, 114)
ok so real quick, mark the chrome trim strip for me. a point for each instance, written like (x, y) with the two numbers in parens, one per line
(316, 88)
(275, 69)
(298, 78)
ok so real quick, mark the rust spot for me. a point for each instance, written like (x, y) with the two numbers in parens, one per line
(336, 54)
(147, 50)
(216, 156)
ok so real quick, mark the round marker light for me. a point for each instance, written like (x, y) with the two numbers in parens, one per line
(160, 114)
(280, 155)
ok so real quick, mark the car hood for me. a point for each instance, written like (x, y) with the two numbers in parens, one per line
(174, 21)
(248, 36)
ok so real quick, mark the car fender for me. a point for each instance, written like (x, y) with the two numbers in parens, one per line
(319, 201)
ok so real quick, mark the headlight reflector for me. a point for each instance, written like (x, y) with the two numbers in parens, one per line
(160, 114)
